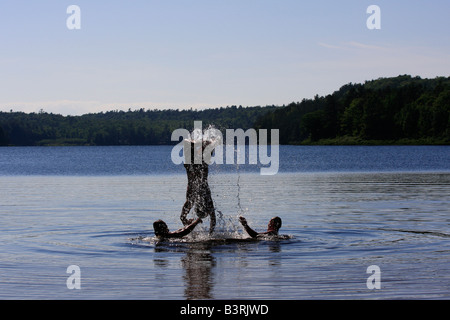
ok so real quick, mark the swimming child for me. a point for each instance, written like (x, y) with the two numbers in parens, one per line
(162, 231)
(272, 228)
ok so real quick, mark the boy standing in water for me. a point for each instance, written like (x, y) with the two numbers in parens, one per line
(198, 193)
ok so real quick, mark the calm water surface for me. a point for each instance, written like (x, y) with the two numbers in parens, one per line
(343, 208)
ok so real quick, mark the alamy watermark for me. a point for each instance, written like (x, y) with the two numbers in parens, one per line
(374, 20)
(73, 22)
(74, 280)
(374, 280)
(236, 143)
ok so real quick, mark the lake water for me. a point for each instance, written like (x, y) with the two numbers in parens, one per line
(343, 208)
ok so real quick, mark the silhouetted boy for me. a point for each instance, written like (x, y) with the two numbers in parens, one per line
(198, 193)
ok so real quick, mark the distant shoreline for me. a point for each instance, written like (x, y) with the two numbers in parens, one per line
(342, 141)
(403, 110)
(352, 141)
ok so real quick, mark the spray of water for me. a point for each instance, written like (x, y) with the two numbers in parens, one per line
(227, 224)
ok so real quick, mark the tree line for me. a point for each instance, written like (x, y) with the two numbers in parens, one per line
(401, 109)
(137, 127)
(397, 110)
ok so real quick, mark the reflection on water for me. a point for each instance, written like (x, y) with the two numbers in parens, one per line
(199, 259)
(340, 224)
(197, 264)
(198, 277)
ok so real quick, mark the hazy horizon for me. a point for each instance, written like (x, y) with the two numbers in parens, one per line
(203, 54)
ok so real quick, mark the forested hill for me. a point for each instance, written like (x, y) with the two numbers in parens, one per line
(138, 127)
(399, 110)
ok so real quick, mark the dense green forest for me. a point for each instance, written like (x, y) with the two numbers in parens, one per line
(400, 110)
(138, 127)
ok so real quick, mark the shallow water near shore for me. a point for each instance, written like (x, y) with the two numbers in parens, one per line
(337, 223)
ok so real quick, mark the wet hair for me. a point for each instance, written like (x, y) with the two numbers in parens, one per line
(274, 223)
(160, 228)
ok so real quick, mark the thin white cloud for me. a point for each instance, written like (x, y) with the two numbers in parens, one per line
(352, 45)
(359, 45)
(329, 46)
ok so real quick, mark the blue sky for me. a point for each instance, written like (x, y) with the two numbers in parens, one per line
(201, 54)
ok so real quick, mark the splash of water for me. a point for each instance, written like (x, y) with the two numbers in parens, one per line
(211, 133)
(226, 226)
